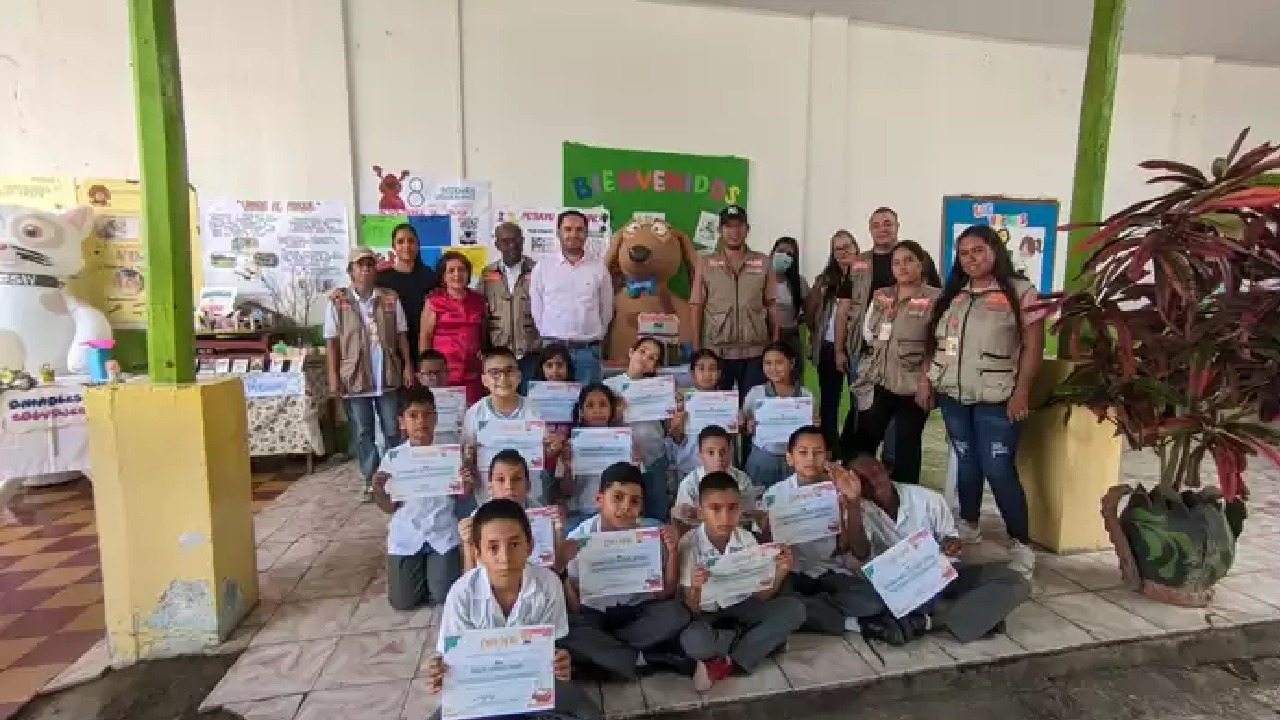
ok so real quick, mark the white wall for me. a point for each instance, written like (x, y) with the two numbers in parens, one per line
(299, 98)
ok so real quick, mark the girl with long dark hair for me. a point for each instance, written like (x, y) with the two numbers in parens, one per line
(792, 293)
(829, 288)
(985, 347)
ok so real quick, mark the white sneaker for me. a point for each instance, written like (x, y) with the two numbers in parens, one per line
(366, 494)
(970, 533)
(1022, 559)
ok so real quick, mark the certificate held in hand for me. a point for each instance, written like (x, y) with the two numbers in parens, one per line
(504, 671)
(711, 408)
(803, 514)
(595, 449)
(451, 405)
(542, 521)
(423, 471)
(554, 401)
(649, 399)
(910, 573)
(777, 418)
(735, 576)
(523, 436)
(624, 562)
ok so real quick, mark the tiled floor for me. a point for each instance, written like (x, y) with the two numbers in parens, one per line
(324, 643)
(51, 585)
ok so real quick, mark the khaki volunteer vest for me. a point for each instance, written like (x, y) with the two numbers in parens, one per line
(733, 316)
(508, 314)
(860, 278)
(900, 328)
(979, 343)
(355, 366)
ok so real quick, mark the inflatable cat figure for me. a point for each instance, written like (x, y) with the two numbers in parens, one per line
(40, 322)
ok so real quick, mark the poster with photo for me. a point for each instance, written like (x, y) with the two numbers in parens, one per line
(1028, 226)
(539, 226)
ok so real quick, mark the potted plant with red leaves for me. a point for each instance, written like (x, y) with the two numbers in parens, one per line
(1175, 338)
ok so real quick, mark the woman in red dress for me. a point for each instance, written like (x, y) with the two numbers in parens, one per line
(453, 321)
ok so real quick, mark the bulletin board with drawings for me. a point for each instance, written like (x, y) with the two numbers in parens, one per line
(1029, 227)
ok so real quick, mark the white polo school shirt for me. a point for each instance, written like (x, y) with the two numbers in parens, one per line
(918, 507)
(696, 549)
(470, 604)
(422, 521)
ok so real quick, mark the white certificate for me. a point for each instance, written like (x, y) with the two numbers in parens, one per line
(910, 573)
(625, 562)
(804, 514)
(554, 401)
(543, 523)
(523, 436)
(595, 449)
(506, 671)
(777, 418)
(711, 408)
(451, 405)
(649, 398)
(736, 575)
(423, 471)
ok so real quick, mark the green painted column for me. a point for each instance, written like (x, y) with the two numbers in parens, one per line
(1094, 140)
(166, 204)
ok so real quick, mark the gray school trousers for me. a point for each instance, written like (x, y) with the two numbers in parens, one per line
(416, 580)
(572, 703)
(980, 598)
(832, 597)
(746, 633)
(613, 640)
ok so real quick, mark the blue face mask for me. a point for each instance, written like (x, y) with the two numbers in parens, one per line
(782, 262)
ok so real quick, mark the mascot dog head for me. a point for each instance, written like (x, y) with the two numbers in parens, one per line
(643, 256)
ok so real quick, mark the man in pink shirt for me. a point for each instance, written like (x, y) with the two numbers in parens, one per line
(572, 298)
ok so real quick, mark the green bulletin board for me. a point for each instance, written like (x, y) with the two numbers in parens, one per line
(682, 187)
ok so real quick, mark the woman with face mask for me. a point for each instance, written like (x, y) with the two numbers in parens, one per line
(791, 294)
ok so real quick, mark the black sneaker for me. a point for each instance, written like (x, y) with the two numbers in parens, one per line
(916, 624)
(997, 630)
(884, 628)
(678, 663)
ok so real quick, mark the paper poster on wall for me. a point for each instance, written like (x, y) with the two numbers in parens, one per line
(274, 248)
(402, 193)
(683, 187)
(113, 251)
(41, 193)
(1028, 227)
(539, 226)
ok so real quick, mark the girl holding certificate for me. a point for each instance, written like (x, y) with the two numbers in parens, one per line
(505, 592)
(767, 463)
(642, 363)
(682, 447)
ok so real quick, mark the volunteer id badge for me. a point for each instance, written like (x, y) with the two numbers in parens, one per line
(886, 331)
(953, 345)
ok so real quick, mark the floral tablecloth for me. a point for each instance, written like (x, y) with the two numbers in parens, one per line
(290, 424)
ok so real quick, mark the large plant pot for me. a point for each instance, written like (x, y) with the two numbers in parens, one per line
(1172, 548)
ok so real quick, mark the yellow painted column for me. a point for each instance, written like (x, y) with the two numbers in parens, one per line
(174, 502)
(169, 457)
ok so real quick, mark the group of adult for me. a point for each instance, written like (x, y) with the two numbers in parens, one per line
(880, 323)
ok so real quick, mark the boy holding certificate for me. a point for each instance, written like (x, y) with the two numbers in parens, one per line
(836, 598)
(981, 596)
(731, 631)
(509, 480)
(620, 633)
(715, 450)
(422, 538)
(501, 376)
(506, 591)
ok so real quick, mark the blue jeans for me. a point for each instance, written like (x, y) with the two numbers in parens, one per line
(986, 446)
(586, 364)
(745, 374)
(361, 412)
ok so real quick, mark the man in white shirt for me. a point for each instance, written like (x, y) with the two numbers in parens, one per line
(981, 596)
(572, 298)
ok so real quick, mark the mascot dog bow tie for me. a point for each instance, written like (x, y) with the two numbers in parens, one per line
(636, 288)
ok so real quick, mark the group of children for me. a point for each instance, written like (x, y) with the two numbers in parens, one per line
(472, 551)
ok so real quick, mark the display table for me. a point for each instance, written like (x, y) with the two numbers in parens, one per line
(285, 411)
(43, 434)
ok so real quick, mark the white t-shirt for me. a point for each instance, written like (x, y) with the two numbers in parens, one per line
(365, 306)
(470, 604)
(696, 549)
(422, 521)
(816, 557)
(585, 529)
(687, 491)
(918, 507)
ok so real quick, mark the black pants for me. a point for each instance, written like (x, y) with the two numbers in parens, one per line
(908, 420)
(831, 384)
(744, 374)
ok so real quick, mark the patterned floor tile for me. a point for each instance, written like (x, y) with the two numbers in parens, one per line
(280, 708)
(370, 702)
(813, 661)
(374, 658)
(1102, 619)
(272, 671)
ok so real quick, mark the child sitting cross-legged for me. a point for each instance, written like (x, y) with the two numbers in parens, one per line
(715, 451)
(507, 591)
(978, 600)
(623, 634)
(422, 537)
(736, 633)
(837, 596)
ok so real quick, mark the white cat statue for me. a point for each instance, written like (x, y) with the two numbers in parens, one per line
(41, 323)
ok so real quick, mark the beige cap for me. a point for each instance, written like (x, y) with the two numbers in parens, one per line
(360, 253)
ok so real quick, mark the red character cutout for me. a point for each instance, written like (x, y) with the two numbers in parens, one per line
(389, 186)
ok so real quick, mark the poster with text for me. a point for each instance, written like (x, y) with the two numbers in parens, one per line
(399, 195)
(1029, 228)
(685, 188)
(278, 250)
(539, 227)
